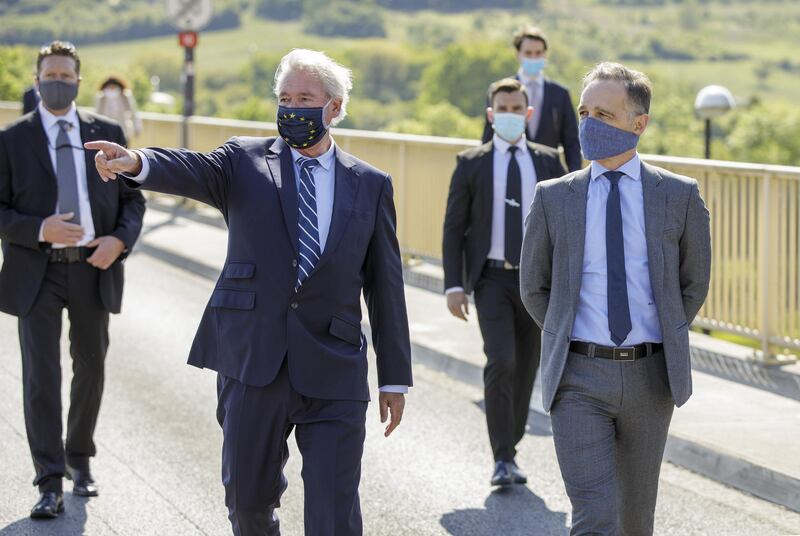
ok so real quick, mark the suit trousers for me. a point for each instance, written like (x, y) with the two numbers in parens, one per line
(610, 421)
(256, 423)
(74, 287)
(511, 342)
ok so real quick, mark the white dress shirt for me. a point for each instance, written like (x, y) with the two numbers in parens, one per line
(51, 129)
(535, 87)
(501, 158)
(325, 187)
(591, 317)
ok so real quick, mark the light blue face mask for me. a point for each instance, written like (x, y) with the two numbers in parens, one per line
(509, 126)
(600, 140)
(533, 66)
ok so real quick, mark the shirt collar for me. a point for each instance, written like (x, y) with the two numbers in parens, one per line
(49, 120)
(325, 160)
(632, 168)
(502, 145)
(528, 81)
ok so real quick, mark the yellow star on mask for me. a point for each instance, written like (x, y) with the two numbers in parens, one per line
(305, 145)
(292, 116)
(311, 123)
(285, 116)
(311, 131)
(302, 119)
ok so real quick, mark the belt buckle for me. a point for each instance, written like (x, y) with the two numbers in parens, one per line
(508, 266)
(624, 353)
(72, 254)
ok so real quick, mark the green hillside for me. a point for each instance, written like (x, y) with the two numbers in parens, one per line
(424, 71)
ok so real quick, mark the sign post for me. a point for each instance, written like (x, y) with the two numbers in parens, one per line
(189, 16)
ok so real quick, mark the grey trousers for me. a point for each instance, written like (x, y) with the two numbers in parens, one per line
(610, 421)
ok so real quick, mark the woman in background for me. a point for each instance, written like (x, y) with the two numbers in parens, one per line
(116, 101)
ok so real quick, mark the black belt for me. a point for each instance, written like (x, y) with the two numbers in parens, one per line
(504, 265)
(618, 353)
(68, 255)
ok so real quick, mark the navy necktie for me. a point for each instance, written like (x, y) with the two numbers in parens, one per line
(619, 314)
(513, 201)
(308, 233)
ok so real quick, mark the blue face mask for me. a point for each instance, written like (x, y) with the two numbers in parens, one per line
(301, 128)
(600, 140)
(509, 126)
(532, 66)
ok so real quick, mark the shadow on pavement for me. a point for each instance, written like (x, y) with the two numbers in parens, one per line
(514, 511)
(71, 522)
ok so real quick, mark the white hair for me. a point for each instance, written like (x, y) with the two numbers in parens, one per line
(336, 79)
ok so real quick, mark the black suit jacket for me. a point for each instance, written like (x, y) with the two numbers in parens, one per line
(557, 126)
(255, 320)
(30, 100)
(29, 194)
(467, 233)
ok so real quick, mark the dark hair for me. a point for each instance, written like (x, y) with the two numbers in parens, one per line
(507, 85)
(529, 32)
(113, 81)
(59, 48)
(637, 85)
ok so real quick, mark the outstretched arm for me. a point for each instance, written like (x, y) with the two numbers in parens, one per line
(204, 177)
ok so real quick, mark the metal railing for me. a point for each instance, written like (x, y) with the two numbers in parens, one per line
(755, 215)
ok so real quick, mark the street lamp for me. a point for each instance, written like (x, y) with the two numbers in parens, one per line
(712, 101)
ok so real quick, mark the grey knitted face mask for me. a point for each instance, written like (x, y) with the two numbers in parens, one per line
(600, 140)
(57, 94)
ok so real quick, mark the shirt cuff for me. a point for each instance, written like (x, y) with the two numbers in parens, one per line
(142, 176)
(403, 389)
(453, 289)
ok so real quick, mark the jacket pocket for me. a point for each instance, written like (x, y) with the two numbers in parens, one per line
(345, 330)
(239, 270)
(233, 299)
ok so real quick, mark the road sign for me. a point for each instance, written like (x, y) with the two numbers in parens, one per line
(190, 15)
(187, 39)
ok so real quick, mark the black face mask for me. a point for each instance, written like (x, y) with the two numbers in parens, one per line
(301, 128)
(57, 94)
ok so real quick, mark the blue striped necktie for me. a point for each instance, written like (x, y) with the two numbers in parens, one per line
(309, 247)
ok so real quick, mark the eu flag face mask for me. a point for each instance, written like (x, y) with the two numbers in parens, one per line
(600, 140)
(301, 128)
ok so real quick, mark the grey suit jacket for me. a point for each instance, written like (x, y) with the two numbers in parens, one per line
(678, 252)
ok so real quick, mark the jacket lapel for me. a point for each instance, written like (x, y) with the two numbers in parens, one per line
(344, 198)
(279, 161)
(90, 131)
(40, 144)
(538, 166)
(655, 207)
(575, 223)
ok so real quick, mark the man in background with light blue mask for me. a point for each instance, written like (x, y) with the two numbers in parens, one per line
(552, 122)
(490, 195)
(615, 265)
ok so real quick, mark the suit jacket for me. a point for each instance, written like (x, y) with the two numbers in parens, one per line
(678, 254)
(255, 319)
(467, 233)
(29, 194)
(30, 100)
(557, 126)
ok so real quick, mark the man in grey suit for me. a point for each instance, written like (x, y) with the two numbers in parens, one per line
(615, 265)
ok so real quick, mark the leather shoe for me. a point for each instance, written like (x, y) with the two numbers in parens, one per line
(516, 474)
(502, 475)
(50, 504)
(83, 483)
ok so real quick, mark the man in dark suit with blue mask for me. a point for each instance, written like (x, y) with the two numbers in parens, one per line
(553, 121)
(310, 228)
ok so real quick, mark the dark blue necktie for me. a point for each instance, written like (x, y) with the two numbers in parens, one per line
(308, 233)
(619, 314)
(513, 201)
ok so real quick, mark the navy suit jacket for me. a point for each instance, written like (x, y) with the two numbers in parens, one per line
(29, 194)
(255, 319)
(558, 124)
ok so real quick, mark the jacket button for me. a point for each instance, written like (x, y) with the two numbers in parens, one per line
(294, 305)
(294, 263)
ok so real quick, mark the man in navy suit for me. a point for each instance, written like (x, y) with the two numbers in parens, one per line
(553, 122)
(310, 227)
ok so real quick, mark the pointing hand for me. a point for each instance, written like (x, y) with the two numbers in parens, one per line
(113, 158)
